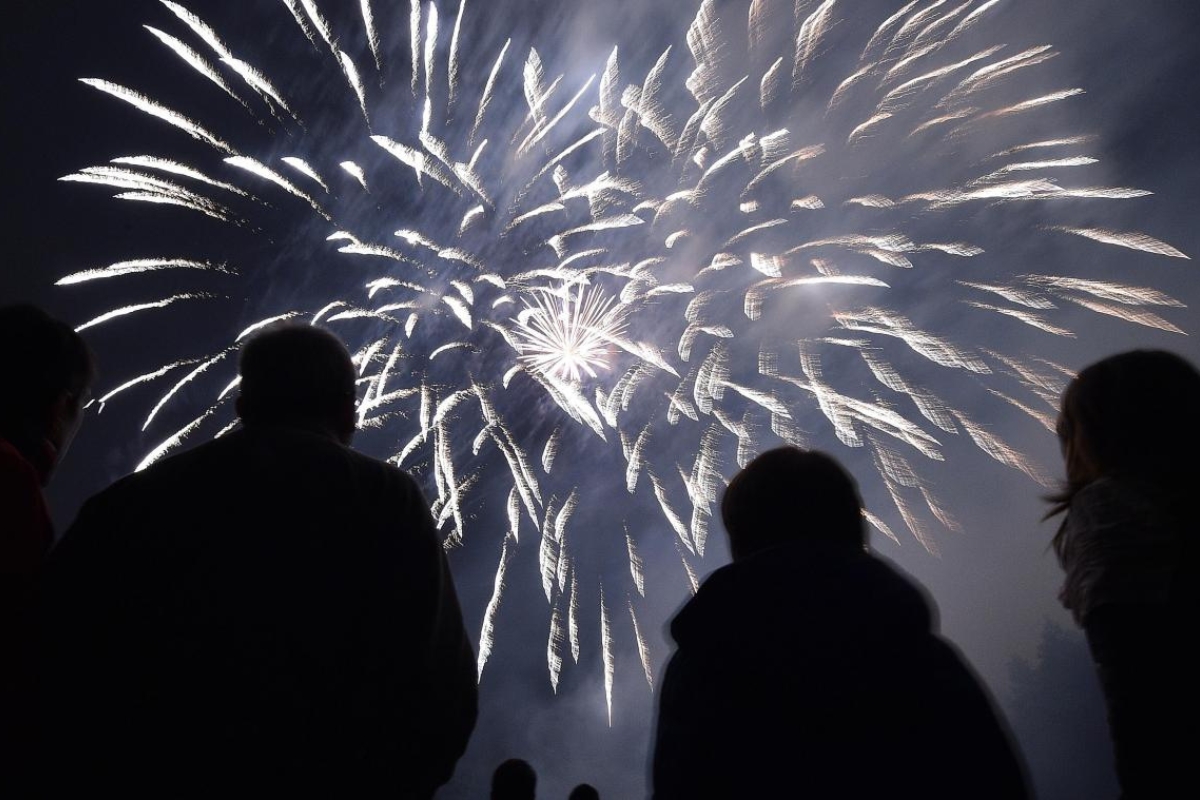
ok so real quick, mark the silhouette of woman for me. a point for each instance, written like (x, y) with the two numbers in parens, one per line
(1130, 435)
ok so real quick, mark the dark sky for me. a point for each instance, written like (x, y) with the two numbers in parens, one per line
(995, 583)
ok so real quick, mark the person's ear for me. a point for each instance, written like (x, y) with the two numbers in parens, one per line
(55, 411)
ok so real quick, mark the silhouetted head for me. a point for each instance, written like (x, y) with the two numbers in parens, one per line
(47, 371)
(1134, 415)
(298, 376)
(514, 780)
(787, 495)
(584, 791)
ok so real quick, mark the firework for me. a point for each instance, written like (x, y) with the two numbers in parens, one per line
(656, 275)
(568, 335)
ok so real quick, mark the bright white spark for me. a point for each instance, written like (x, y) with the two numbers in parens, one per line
(155, 109)
(138, 266)
(566, 335)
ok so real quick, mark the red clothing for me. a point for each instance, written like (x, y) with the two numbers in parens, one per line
(26, 532)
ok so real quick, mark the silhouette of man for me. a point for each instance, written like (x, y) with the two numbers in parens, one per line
(269, 614)
(584, 791)
(514, 779)
(809, 667)
(46, 370)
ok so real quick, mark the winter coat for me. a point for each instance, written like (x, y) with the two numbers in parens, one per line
(814, 670)
(269, 614)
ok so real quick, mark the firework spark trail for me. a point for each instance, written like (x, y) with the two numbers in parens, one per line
(414, 43)
(356, 84)
(637, 567)
(182, 170)
(619, 260)
(1045, 419)
(1031, 104)
(304, 168)
(154, 109)
(298, 14)
(1126, 314)
(554, 643)
(261, 170)
(138, 266)
(355, 171)
(452, 67)
(812, 31)
(643, 648)
(1031, 319)
(259, 83)
(1134, 241)
(137, 307)
(542, 130)
(573, 618)
(144, 378)
(881, 526)
(487, 635)
(173, 441)
(1116, 292)
(161, 198)
(606, 647)
(317, 21)
(197, 62)
(174, 390)
(368, 17)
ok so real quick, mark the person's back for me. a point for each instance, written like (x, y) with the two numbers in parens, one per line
(809, 668)
(269, 613)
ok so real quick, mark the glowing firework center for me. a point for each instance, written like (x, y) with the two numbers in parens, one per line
(567, 333)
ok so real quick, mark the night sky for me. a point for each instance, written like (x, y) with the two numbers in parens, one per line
(994, 583)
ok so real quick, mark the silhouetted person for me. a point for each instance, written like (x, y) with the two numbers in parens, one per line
(46, 370)
(1131, 441)
(514, 779)
(269, 614)
(584, 791)
(810, 668)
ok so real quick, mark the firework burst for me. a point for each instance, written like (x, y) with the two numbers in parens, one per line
(568, 334)
(658, 276)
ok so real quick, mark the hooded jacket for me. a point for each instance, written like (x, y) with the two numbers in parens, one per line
(814, 670)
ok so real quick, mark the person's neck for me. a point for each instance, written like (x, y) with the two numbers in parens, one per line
(311, 428)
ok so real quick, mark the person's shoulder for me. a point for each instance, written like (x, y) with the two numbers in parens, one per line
(810, 586)
(1111, 501)
(1101, 490)
(175, 465)
(880, 569)
(160, 480)
(1114, 492)
(377, 470)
